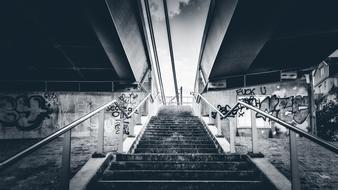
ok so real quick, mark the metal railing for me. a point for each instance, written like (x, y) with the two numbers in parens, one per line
(295, 178)
(66, 131)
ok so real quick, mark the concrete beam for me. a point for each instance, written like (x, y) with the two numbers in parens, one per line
(219, 17)
(103, 26)
(126, 17)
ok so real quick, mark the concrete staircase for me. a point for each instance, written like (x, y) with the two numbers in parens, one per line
(176, 152)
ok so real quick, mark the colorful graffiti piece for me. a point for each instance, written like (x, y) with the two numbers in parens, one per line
(23, 112)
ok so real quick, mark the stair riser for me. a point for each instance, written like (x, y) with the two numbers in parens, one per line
(180, 186)
(170, 138)
(233, 166)
(174, 151)
(177, 146)
(174, 142)
(180, 175)
(182, 157)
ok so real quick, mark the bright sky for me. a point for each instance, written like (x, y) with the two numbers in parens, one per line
(187, 21)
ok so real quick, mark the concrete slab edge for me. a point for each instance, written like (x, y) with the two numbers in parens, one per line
(139, 135)
(93, 168)
(271, 173)
(213, 137)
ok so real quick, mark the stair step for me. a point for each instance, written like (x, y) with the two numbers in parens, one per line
(180, 145)
(175, 142)
(171, 138)
(165, 131)
(180, 184)
(181, 135)
(176, 150)
(184, 165)
(180, 157)
(180, 175)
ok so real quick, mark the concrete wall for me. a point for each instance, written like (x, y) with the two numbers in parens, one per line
(38, 114)
(287, 100)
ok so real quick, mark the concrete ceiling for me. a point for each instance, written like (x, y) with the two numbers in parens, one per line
(244, 37)
(71, 40)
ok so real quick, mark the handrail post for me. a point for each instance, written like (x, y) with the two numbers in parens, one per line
(218, 125)
(120, 135)
(131, 127)
(138, 120)
(295, 180)
(65, 163)
(100, 134)
(232, 137)
(211, 119)
(254, 132)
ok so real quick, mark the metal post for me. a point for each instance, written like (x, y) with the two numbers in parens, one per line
(181, 94)
(65, 163)
(295, 180)
(219, 125)
(120, 135)
(171, 51)
(254, 133)
(100, 135)
(312, 106)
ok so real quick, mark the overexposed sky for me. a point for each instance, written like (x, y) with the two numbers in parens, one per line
(187, 21)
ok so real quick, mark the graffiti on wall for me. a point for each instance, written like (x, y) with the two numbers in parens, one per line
(289, 109)
(250, 91)
(126, 101)
(118, 127)
(24, 112)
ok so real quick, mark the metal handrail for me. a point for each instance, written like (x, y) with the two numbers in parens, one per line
(314, 139)
(65, 129)
(51, 137)
(209, 104)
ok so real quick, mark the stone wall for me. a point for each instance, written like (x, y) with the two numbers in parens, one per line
(38, 114)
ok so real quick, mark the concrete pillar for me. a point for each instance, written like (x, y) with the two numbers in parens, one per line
(254, 137)
(120, 135)
(232, 135)
(219, 125)
(100, 133)
(212, 121)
